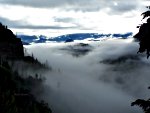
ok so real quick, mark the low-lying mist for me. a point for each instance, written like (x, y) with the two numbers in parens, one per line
(105, 79)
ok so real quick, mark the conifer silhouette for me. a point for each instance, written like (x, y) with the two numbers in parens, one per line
(143, 36)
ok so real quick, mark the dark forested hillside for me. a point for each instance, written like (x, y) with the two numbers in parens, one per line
(10, 46)
(15, 91)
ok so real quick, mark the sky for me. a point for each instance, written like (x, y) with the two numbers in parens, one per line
(55, 17)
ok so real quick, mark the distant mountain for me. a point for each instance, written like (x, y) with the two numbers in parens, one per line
(71, 37)
(27, 38)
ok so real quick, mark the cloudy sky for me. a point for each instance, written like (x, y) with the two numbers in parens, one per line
(54, 17)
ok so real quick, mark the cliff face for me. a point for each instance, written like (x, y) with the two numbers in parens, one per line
(10, 45)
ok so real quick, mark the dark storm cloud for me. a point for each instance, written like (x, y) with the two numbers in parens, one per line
(78, 5)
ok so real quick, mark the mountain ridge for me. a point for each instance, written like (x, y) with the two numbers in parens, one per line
(70, 37)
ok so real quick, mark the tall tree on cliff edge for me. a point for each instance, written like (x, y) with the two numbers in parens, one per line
(143, 36)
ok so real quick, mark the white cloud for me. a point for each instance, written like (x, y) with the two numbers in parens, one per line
(83, 5)
(105, 80)
(109, 17)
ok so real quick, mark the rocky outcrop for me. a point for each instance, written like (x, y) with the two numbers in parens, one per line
(10, 45)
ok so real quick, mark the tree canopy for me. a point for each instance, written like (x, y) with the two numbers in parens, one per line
(143, 36)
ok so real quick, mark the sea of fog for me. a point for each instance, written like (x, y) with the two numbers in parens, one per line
(93, 77)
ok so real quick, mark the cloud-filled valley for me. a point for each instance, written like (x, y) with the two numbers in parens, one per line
(106, 79)
(81, 53)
